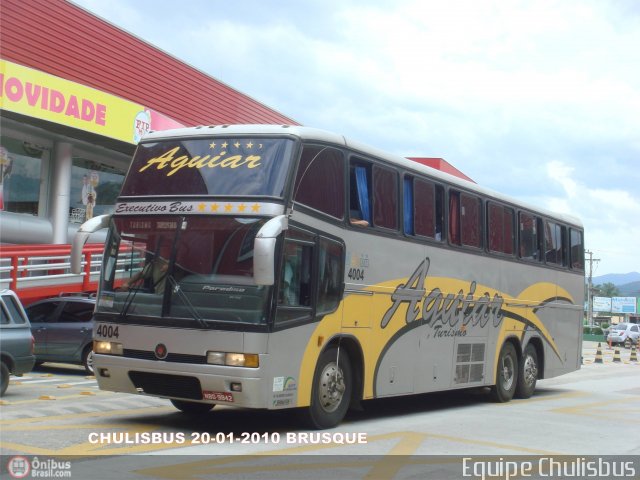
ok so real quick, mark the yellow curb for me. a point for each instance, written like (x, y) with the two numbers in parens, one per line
(90, 377)
(87, 393)
(64, 385)
(46, 397)
(4, 402)
(16, 382)
(46, 375)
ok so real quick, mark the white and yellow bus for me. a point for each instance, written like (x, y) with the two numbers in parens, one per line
(287, 267)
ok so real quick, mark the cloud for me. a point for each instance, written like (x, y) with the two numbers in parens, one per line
(538, 100)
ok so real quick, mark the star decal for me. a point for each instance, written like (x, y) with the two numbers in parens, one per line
(201, 207)
(255, 207)
(214, 207)
(212, 145)
(228, 207)
(249, 145)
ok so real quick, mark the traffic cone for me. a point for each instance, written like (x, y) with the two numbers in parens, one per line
(616, 356)
(634, 356)
(598, 355)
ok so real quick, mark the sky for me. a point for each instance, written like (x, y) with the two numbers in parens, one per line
(539, 100)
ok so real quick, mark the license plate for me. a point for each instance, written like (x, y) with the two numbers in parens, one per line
(218, 396)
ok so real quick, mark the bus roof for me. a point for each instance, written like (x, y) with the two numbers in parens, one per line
(319, 135)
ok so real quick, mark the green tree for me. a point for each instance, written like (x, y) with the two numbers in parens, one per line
(606, 290)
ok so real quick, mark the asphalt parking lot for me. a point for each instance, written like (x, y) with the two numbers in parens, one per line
(573, 415)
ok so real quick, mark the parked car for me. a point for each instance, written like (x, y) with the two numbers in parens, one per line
(63, 329)
(625, 334)
(16, 340)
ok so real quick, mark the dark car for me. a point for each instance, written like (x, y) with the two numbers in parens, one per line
(63, 328)
(16, 341)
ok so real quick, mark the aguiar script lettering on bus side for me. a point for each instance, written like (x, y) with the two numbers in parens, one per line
(450, 310)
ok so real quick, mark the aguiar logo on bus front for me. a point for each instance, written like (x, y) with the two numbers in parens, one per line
(221, 160)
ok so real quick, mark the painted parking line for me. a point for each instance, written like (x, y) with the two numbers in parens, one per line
(86, 382)
(591, 410)
(52, 398)
(60, 383)
(33, 382)
(383, 465)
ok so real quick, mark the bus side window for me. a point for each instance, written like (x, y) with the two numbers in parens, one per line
(577, 249)
(359, 196)
(454, 217)
(330, 275)
(555, 239)
(385, 198)
(295, 281)
(529, 237)
(320, 180)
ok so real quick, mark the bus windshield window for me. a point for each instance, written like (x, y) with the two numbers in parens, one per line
(210, 166)
(196, 268)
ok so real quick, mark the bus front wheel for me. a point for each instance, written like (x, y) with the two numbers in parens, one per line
(331, 391)
(192, 407)
(507, 374)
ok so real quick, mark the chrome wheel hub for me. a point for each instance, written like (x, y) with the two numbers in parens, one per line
(331, 388)
(530, 370)
(507, 372)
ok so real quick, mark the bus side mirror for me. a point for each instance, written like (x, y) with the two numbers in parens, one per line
(82, 235)
(264, 250)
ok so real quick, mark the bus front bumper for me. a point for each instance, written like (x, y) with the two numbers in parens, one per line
(234, 386)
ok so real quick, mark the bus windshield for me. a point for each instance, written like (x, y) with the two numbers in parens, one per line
(196, 268)
(210, 166)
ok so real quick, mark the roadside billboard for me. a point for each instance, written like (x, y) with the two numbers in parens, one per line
(601, 304)
(623, 305)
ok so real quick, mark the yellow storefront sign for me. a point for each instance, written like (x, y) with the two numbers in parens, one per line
(39, 95)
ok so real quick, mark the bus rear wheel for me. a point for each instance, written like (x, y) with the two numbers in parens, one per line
(528, 375)
(192, 408)
(331, 391)
(507, 374)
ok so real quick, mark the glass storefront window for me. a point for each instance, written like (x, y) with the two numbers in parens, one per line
(94, 189)
(20, 170)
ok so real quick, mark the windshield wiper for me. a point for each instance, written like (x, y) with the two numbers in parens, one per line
(131, 295)
(192, 310)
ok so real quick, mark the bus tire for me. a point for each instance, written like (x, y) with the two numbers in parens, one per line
(4, 378)
(506, 374)
(528, 374)
(331, 391)
(192, 408)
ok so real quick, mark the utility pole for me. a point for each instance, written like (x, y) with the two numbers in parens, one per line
(589, 287)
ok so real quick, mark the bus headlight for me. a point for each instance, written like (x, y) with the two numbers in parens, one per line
(250, 360)
(107, 348)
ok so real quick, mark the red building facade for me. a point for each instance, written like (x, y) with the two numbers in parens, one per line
(76, 94)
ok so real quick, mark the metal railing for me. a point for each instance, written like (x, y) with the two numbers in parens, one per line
(39, 271)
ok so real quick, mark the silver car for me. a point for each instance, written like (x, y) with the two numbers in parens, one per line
(624, 334)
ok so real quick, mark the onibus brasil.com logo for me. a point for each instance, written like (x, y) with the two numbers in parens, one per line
(22, 467)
